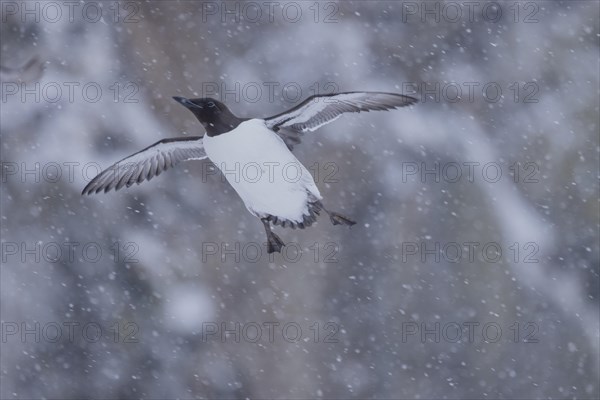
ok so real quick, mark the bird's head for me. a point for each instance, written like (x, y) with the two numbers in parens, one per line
(210, 112)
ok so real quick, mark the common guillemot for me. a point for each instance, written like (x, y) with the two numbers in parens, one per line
(230, 142)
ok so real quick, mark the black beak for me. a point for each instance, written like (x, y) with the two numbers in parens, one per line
(185, 102)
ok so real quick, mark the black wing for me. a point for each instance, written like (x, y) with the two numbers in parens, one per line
(319, 110)
(147, 163)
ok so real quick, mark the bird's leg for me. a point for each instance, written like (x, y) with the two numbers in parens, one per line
(337, 218)
(274, 243)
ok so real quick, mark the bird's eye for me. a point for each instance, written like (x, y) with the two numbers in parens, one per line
(211, 104)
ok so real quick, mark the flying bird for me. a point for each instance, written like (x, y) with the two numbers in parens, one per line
(272, 193)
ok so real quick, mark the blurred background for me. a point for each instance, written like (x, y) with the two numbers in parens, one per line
(472, 271)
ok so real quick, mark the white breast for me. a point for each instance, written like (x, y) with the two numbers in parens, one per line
(266, 175)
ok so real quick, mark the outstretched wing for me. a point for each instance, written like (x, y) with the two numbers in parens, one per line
(317, 111)
(147, 163)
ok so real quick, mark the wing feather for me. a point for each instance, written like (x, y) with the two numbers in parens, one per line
(147, 163)
(320, 110)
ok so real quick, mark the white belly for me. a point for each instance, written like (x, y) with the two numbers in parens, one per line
(265, 174)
